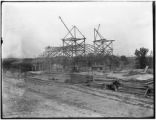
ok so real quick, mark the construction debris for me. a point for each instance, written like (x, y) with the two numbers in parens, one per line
(140, 84)
(139, 87)
(79, 79)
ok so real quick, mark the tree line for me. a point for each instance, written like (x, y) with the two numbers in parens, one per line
(141, 61)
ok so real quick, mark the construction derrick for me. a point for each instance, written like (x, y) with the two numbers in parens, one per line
(102, 45)
(73, 42)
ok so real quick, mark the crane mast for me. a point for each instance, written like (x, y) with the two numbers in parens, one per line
(66, 27)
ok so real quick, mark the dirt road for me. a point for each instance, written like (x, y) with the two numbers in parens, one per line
(35, 98)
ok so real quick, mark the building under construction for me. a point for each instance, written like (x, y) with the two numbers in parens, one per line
(73, 45)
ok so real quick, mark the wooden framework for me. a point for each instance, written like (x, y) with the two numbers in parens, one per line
(73, 42)
(74, 46)
(102, 45)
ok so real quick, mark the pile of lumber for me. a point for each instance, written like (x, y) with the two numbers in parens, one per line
(139, 87)
(103, 79)
(96, 84)
(136, 86)
(102, 82)
(78, 78)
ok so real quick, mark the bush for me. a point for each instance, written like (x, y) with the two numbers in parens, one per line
(149, 61)
(22, 65)
(7, 63)
(124, 60)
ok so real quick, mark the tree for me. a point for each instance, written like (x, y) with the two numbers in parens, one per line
(115, 61)
(124, 59)
(7, 63)
(141, 60)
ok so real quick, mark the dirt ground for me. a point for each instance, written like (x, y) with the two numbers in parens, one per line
(37, 98)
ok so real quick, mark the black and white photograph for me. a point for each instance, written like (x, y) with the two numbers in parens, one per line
(68, 59)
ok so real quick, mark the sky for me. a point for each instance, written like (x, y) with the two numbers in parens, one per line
(28, 27)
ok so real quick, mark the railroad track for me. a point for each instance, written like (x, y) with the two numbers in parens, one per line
(112, 96)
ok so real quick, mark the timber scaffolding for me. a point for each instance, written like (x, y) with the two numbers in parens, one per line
(102, 45)
(74, 44)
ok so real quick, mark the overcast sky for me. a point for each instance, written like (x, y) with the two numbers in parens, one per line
(27, 28)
